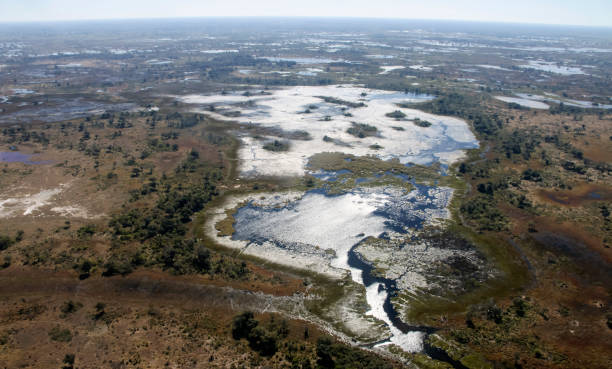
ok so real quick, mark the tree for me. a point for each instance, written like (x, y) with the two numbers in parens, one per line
(243, 324)
(324, 352)
(201, 259)
(263, 341)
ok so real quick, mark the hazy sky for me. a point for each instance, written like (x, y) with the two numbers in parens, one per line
(578, 12)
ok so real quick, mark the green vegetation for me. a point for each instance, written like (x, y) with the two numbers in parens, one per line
(277, 146)
(6, 242)
(60, 335)
(269, 338)
(421, 123)
(335, 141)
(362, 130)
(397, 115)
(68, 361)
(335, 355)
(176, 203)
(70, 307)
(86, 231)
(468, 107)
(459, 356)
(263, 340)
(333, 100)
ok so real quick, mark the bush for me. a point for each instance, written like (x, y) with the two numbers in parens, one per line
(84, 269)
(421, 123)
(6, 262)
(494, 313)
(243, 324)
(276, 146)
(201, 259)
(70, 307)
(5, 242)
(60, 335)
(86, 231)
(483, 211)
(532, 175)
(362, 130)
(69, 361)
(334, 355)
(117, 267)
(263, 341)
(396, 115)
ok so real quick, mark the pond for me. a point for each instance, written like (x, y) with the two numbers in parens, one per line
(18, 157)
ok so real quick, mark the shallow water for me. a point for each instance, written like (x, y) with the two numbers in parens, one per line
(302, 108)
(320, 221)
(17, 157)
(304, 60)
(63, 110)
(568, 102)
(523, 102)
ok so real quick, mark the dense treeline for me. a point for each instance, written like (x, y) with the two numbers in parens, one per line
(162, 228)
(168, 218)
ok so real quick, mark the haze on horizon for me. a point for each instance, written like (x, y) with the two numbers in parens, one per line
(560, 12)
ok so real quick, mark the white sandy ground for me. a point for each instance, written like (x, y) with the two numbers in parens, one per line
(552, 67)
(390, 68)
(316, 232)
(523, 102)
(496, 67)
(39, 204)
(283, 109)
(421, 68)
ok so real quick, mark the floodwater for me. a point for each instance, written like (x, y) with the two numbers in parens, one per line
(17, 157)
(321, 221)
(62, 110)
(303, 109)
(523, 102)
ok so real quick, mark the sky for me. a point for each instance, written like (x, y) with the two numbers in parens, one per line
(570, 12)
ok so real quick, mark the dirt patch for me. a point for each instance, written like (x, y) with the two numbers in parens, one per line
(145, 319)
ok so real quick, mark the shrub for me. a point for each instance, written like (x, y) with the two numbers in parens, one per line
(396, 115)
(60, 335)
(532, 175)
(362, 130)
(421, 123)
(262, 341)
(86, 231)
(115, 267)
(243, 324)
(277, 146)
(70, 307)
(5, 242)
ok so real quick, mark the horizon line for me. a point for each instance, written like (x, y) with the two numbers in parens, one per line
(47, 21)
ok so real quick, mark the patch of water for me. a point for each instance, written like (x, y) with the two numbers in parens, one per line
(328, 175)
(337, 223)
(523, 102)
(18, 157)
(64, 110)
(291, 109)
(304, 60)
(552, 67)
(555, 98)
